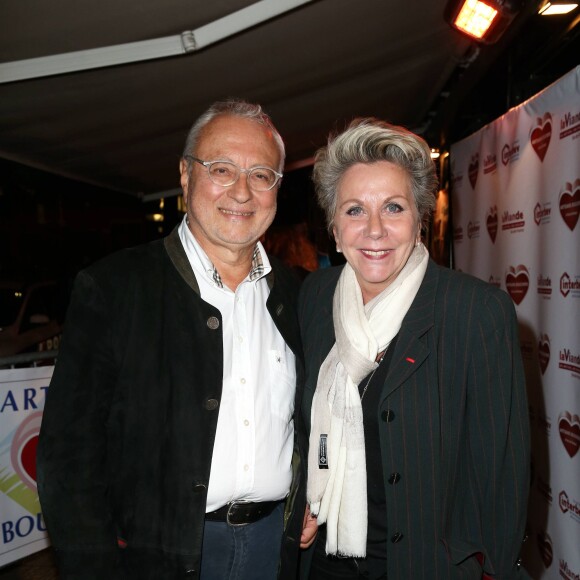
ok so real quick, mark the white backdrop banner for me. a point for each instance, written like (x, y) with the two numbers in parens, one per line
(515, 207)
(22, 395)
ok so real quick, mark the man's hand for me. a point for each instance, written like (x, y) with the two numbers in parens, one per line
(309, 529)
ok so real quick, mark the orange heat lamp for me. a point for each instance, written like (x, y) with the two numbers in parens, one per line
(475, 18)
(483, 21)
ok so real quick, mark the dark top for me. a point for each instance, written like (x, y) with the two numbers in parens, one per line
(455, 426)
(376, 496)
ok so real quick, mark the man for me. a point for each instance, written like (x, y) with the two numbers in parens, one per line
(167, 448)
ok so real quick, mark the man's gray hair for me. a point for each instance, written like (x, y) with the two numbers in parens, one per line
(236, 108)
(368, 140)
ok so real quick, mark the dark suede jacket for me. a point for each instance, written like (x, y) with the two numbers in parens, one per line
(130, 418)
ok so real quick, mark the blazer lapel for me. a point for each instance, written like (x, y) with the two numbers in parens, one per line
(410, 350)
(176, 252)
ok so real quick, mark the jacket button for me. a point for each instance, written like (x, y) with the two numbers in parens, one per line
(199, 487)
(211, 404)
(394, 478)
(387, 416)
(213, 322)
(190, 572)
(396, 537)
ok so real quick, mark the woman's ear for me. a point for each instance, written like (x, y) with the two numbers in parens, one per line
(336, 240)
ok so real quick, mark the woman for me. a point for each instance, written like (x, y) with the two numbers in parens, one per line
(415, 395)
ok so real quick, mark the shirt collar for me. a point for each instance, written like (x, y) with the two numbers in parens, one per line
(200, 261)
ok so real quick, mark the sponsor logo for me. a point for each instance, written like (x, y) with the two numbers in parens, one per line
(510, 152)
(491, 223)
(569, 361)
(542, 213)
(517, 282)
(568, 285)
(566, 572)
(458, 234)
(569, 124)
(473, 229)
(490, 163)
(544, 286)
(473, 169)
(570, 203)
(541, 135)
(569, 427)
(569, 506)
(544, 352)
(513, 221)
(19, 474)
(23, 450)
(545, 548)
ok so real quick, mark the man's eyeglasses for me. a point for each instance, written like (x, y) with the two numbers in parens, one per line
(226, 173)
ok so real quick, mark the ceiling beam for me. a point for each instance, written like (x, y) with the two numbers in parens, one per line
(179, 44)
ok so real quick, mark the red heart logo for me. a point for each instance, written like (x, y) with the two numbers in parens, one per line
(544, 353)
(28, 457)
(545, 547)
(492, 224)
(569, 427)
(517, 283)
(473, 170)
(541, 135)
(23, 449)
(570, 204)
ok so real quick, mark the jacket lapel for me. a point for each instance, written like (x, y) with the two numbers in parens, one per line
(176, 252)
(410, 351)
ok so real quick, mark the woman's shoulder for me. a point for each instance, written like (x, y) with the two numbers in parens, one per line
(458, 286)
(321, 280)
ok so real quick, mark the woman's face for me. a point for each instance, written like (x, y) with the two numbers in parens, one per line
(376, 224)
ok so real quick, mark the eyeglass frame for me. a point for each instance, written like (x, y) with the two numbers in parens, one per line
(241, 170)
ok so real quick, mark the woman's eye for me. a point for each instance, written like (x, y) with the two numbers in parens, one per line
(355, 210)
(394, 207)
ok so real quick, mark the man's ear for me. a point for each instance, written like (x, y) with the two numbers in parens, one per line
(184, 177)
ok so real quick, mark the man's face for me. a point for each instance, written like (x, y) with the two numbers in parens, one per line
(232, 217)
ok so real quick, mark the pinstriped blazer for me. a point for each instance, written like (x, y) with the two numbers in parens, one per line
(455, 426)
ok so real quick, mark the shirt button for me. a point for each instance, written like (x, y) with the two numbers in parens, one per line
(243, 381)
(396, 537)
(241, 338)
(387, 416)
(246, 422)
(213, 323)
(246, 467)
(394, 478)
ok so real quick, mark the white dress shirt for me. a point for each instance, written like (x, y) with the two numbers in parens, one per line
(255, 433)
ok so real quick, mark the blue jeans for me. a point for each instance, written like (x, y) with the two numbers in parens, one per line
(249, 552)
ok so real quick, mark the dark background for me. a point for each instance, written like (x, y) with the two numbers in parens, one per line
(50, 226)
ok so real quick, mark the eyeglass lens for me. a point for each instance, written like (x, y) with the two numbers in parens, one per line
(224, 173)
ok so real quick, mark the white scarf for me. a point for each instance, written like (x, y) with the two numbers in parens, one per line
(338, 495)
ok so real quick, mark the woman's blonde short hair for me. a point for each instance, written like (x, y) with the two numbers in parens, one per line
(368, 140)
